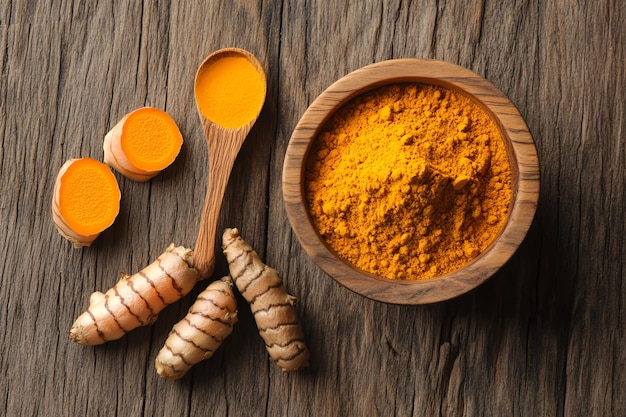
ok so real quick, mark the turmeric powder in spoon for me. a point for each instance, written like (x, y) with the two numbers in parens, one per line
(230, 91)
(409, 181)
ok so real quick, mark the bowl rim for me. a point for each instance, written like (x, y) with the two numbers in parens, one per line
(520, 149)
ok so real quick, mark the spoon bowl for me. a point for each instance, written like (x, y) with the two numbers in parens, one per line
(224, 139)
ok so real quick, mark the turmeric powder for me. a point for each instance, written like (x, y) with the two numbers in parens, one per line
(230, 91)
(409, 181)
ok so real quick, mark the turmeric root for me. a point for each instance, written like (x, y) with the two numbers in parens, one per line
(142, 144)
(136, 300)
(197, 336)
(272, 307)
(86, 200)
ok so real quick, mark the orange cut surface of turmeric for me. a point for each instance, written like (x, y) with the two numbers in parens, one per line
(89, 197)
(150, 139)
(230, 92)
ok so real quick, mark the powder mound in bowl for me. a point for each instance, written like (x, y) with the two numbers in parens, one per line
(409, 181)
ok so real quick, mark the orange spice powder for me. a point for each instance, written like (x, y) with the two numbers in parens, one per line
(409, 181)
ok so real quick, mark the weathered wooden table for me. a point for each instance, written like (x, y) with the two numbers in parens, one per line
(545, 336)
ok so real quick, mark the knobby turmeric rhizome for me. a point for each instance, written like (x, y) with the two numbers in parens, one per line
(409, 181)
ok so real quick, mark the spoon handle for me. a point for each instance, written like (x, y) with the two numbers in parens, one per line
(223, 145)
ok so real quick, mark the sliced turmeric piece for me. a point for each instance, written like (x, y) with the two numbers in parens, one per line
(200, 333)
(142, 144)
(86, 200)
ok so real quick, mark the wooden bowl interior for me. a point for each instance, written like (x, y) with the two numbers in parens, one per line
(524, 174)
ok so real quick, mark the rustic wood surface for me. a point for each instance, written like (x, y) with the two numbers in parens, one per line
(545, 336)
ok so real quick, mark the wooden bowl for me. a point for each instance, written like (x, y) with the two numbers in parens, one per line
(524, 172)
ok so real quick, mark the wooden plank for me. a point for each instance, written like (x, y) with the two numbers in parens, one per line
(545, 336)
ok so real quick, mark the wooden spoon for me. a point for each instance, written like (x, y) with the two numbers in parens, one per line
(224, 144)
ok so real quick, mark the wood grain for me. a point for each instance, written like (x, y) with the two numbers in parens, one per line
(544, 336)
